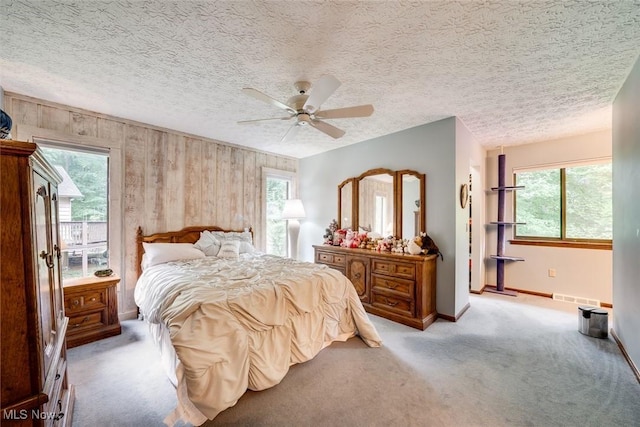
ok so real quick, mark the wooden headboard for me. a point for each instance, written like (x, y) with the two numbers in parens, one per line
(186, 235)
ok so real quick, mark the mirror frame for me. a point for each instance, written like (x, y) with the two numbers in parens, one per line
(422, 216)
(354, 201)
(397, 190)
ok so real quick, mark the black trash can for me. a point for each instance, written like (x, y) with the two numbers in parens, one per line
(593, 321)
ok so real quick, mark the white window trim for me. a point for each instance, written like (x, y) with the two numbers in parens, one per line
(116, 189)
(274, 173)
(561, 165)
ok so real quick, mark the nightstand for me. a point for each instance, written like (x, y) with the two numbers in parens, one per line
(91, 304)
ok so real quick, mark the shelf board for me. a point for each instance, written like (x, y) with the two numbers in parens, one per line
(507, 223)
(507, 258)
(508, 188)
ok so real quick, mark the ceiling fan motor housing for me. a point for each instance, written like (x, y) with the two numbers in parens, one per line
(303, 119)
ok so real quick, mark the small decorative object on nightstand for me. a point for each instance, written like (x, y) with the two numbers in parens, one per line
(91, 303)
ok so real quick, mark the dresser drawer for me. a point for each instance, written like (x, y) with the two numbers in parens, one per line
(399, 269)
(329, 258)
(399, 305)
(53, 408)
(87, 321)
(401, 286)
(88, 300)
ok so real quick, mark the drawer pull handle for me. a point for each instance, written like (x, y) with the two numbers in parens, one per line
(93, 299)
(60, 413)
(80, 323)
(391, 303)
(76, 302)
(391, 285)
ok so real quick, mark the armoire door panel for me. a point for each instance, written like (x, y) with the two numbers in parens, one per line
(42, 227)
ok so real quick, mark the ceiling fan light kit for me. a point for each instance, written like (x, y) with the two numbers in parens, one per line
(305, 107)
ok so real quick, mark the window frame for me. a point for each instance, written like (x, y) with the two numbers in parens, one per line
(563, 240)
(87, 149)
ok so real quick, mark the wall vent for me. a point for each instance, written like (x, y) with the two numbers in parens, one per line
(576, 300)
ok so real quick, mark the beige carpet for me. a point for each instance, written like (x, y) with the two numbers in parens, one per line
(507, 362)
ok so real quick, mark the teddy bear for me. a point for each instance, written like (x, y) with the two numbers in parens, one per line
(351, 240)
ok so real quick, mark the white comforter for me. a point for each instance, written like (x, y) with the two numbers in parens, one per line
(240, 324)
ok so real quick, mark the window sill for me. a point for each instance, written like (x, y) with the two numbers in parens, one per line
(607, 246)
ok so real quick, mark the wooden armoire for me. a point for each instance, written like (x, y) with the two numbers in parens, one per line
(33, 382)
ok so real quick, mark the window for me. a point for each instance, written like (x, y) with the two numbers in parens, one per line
(565, 204)
(380, 216)
(83, 208)
(278, 188)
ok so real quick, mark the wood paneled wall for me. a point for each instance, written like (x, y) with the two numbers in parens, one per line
(169, 179)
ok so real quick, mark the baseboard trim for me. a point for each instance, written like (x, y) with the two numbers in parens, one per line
(128, 315)
(632, 365)
(524, 291)
(457, 316)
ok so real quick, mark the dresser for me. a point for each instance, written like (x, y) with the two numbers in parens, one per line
(34, 390)
(91, 303)
(398, 287)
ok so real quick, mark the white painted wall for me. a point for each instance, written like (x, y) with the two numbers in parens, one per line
(429, 149)
(626, 214)
(579, 272)
(464, 159)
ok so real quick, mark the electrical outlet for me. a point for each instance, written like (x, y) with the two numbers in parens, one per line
(552, 272)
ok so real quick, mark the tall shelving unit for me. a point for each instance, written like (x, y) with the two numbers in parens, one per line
(501, 224)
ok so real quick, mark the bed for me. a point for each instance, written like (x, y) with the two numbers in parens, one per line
(228, 318)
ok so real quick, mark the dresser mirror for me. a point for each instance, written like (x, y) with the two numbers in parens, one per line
(376, 201)
(384, 201)
(412, 189)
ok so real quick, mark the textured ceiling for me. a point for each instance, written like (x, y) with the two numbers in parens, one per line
(512, 71)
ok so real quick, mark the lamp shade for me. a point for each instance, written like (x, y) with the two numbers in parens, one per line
(293, 209)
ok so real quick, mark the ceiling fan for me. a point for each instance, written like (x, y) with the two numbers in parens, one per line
(304, 108)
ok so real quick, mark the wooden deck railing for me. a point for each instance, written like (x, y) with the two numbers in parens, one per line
(84, 247)
(83, 233)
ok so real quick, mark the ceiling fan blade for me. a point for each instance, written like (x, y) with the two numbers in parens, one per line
(325, 127)
(341, 113)
(291, 133)
(266, 98)
(244, 122)
(320, 92)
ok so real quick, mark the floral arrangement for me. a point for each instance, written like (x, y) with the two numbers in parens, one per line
(329, 232)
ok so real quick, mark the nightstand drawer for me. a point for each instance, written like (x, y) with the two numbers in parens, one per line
(85, 321)
(88, 300)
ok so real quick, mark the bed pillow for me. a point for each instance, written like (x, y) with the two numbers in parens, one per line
(158, 253)
(208, 243)
(229, 249)
(244, 237)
